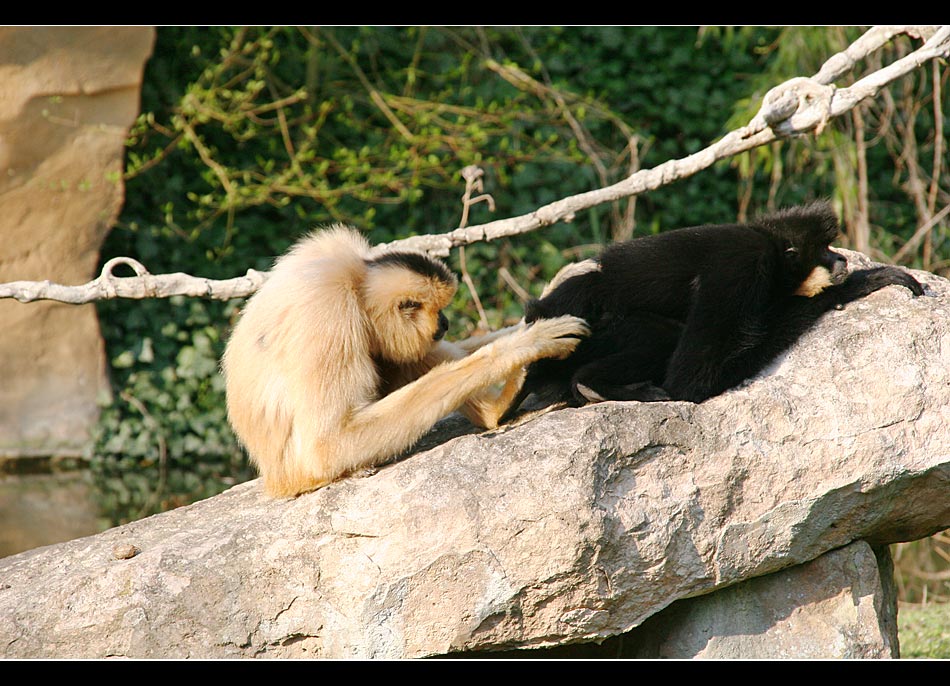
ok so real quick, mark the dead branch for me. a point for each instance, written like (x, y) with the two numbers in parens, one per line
(143, 285)
(794, 108)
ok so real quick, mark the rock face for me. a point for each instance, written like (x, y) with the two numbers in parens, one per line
(841, 605)
(573, 526)
(838, 605)
(67, 98)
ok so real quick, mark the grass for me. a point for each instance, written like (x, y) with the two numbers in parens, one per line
(924, 631)
(922, 575)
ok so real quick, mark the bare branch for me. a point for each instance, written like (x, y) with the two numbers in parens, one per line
(794, 108)
(142, 285)
(919, 234)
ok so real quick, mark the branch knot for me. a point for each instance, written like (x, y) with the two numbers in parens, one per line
(797, 106)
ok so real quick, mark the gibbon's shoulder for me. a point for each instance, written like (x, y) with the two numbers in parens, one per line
(322, 262)
(335, 242)
(311, 295)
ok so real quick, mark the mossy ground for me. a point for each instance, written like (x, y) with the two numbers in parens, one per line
(924, 631)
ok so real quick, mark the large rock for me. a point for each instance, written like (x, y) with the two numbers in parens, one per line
(573, 526)
(841, 605)
(67, 98)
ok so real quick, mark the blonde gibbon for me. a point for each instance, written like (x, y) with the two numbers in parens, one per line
(337, 363)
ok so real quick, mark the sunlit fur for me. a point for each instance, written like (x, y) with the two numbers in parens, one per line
(333, 366)
(818, 280)
(568, 271)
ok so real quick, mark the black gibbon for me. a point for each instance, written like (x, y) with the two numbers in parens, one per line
(689, 313)
(338, 364)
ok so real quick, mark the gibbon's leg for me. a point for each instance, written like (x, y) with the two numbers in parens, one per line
(385, 428)
(627, 375)
(627, 359)
(571, 270)
(726, 319)
(484, 408)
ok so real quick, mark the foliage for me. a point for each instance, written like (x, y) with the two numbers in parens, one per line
(923, 569)
(883, 165)
(251, 136)
(164, 441)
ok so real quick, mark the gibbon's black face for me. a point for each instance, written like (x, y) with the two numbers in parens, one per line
(443, 327)
(837, 265)
(816, 271)
(807, 233)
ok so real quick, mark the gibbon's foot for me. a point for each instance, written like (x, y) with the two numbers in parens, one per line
(588, 394)
(364, 472)
(556, 337)
(643, 391)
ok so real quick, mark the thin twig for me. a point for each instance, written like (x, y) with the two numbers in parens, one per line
(473, 183)
(162, 451)
(919, 234)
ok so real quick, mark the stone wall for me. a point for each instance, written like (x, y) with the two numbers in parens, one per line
(67, 98)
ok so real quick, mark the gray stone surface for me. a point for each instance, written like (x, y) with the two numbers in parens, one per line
(572, 526)
(838, 606)
(68, 95)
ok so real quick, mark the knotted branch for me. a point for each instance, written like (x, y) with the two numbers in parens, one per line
(796, 107)
(143, 285)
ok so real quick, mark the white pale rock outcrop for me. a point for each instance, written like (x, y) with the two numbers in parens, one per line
(571, 527)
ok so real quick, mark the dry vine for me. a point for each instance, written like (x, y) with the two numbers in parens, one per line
(793, 108)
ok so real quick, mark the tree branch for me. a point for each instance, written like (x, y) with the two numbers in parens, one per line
(794, 108)
(143, 285)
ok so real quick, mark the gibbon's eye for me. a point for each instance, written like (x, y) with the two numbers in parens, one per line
(410, 305)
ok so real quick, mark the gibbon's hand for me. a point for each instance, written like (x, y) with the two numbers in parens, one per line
(556, 337)
(889, 276)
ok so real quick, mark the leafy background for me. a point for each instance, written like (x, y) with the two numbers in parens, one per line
(250, 137)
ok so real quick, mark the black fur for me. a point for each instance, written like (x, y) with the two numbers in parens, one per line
(690, 313)
(416, 262)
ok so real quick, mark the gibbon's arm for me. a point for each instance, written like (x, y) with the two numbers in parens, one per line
(725, 325)
(784, 324)
(486, 407)
(800, 313)
(447, 386)
(483, 408)
(374, 432)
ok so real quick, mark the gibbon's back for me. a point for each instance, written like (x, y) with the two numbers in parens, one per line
(288, 327)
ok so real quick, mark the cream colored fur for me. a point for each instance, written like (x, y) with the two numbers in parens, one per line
(325, 374)
(818, 280)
